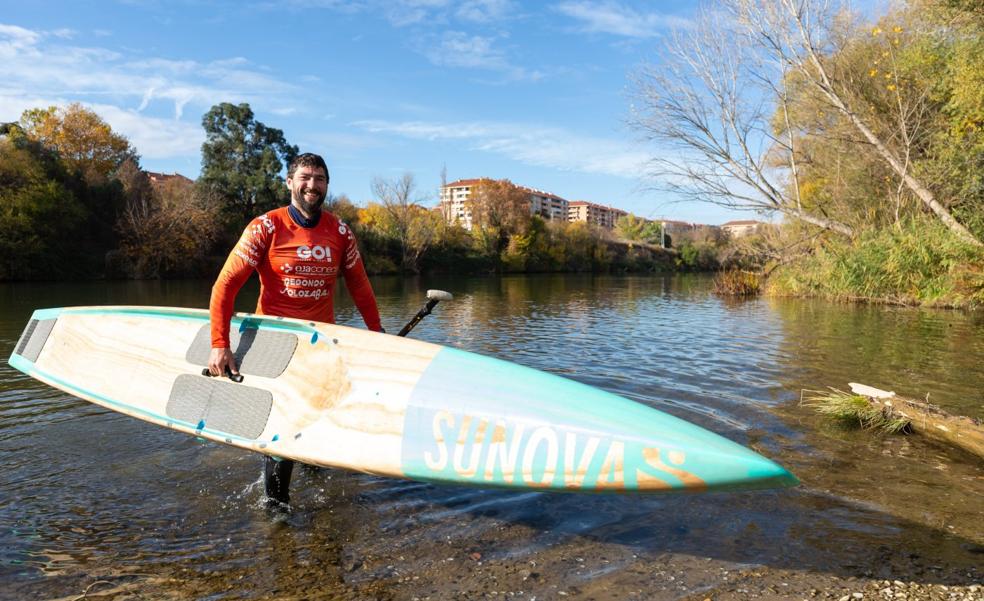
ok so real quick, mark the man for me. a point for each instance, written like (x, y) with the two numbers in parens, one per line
(298, 251)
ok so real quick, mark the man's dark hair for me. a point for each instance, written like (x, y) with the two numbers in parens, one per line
(308, 159)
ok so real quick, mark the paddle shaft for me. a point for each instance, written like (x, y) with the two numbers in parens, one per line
(424, 312)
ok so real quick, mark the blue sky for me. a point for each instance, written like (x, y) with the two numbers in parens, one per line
(537, 92)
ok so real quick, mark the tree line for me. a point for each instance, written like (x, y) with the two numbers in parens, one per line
(867, 136)
(75, 203)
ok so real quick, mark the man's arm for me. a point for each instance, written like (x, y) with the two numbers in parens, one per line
(239, 265)
(357, 282)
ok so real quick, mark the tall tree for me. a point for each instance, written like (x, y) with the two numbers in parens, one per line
(774, 102)
(41, 218)
(801, 36)
(630, 227)
(165, 230)
(499, 203)
(411, 224)
(499, 209)
(85, 143)
(341, 206)
(244, 161)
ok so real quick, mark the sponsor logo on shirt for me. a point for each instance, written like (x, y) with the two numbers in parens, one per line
(303, 282)
(305, 293)
(316, 252)
(309, 269)
(250, 260)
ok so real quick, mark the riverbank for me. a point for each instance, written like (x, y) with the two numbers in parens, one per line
(452, 572)
(912, 265)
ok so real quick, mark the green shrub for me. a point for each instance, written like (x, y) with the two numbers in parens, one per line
(917, 263)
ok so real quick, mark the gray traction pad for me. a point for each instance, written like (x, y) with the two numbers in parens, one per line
(257, 352)
(32, 340)
(223, 406)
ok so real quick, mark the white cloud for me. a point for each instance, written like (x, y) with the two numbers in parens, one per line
(41, 70)
(484, 11)
(618, 19)
(405, 13)
(401, 13)
(535, 145)
(36, 63)
(153, 137)
(14, 37)
(459, 49)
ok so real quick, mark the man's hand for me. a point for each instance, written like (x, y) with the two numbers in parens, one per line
(219, 360)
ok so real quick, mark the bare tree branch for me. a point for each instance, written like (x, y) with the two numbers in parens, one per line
(709, 104)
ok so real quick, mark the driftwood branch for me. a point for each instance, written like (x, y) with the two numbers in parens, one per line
(927, 419)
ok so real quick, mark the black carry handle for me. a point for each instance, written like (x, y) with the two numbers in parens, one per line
(228, 372)
(433, 297)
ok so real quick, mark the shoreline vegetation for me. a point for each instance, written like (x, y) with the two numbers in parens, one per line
(869, 145)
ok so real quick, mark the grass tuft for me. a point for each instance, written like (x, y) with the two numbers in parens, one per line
(738, 282)
(856, 409)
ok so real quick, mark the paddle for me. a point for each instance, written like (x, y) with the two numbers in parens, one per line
(433, 297)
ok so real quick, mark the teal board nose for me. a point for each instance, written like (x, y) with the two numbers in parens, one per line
(477, 420)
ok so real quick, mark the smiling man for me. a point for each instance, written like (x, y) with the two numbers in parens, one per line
(299, 251)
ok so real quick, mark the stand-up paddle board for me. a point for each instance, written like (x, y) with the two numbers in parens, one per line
(342, 397)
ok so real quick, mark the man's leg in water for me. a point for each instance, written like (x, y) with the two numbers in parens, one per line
(276, 477)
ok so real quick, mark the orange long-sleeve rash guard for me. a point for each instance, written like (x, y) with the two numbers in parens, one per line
(298, 267)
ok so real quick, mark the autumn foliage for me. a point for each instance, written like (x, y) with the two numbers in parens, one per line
(74, 202)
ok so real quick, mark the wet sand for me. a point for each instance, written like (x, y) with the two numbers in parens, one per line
(454, 572)
(359, 537)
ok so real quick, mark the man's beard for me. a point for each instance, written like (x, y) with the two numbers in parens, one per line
(311, 208)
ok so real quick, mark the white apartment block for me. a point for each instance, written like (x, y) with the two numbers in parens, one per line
(594, 214)
(454, 201)
(455, 197)
(742, 227)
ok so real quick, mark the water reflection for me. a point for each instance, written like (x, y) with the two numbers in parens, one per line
(915, 352)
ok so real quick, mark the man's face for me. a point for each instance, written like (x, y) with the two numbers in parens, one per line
(308, 189)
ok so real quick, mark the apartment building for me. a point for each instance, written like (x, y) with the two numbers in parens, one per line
(455, 197)
(594, 214)
(454, 201)
(742, 227)
(549, 206)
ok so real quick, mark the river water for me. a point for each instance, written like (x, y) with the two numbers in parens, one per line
(93, 501)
